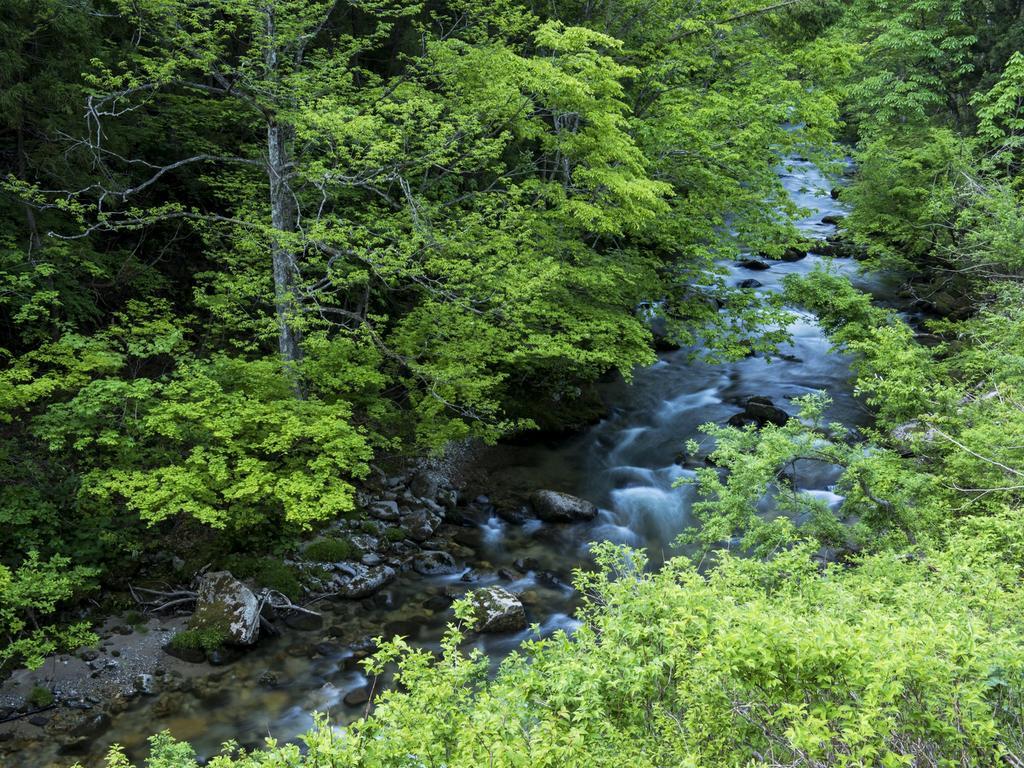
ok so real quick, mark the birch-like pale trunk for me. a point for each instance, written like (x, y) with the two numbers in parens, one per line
(282, 214)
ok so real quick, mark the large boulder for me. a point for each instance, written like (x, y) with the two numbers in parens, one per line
(224, 603)
(765, 411)
(759, 411)
(794, 254)
(555, 507)
(497, 610)
(755, 264)
(357, 580)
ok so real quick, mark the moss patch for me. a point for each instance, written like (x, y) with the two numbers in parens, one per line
(40, 697)
(331, 550)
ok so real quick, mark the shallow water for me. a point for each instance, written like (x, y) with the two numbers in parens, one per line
(626, 465)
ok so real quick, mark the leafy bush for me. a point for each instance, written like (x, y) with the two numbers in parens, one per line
(33, 590)
(899, 661)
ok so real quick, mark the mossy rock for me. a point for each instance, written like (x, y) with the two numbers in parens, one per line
(331, 550)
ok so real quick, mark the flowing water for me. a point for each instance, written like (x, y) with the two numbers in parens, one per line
(626, 464)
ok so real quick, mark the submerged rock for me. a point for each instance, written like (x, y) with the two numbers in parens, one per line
(434, 563)
(356, 697)
(497, 610)
(556, 507)
(749, 283)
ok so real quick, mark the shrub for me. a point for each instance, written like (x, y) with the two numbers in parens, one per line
(899, 661)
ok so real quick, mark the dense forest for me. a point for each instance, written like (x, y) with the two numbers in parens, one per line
(251, 250)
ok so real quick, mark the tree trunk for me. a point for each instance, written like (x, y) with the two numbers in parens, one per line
(282, 219)
(282, 214)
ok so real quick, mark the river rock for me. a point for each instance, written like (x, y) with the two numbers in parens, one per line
(356, 697)
(764, 411)
(90, 726)
(838, 247)
(426, 484)
(913, 431)
(749, 283)
(794, 254)
(302, 621)
(514, 514)
(435, 563)
(420, 523)
(526, 564)
(385, 509)
(145, 684)
(832, 219)
(555, 507)
(755, 264)
(361, 580)
(497, 610)
(225, 603)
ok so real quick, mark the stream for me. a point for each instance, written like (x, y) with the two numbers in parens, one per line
(626, 465)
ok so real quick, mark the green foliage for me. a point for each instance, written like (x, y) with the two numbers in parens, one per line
(893, 662)
(30, 593)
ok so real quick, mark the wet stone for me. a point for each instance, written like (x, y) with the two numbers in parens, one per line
(356, 697)
(304, 622)
(437, 604)
(435, 563)
(526, 564)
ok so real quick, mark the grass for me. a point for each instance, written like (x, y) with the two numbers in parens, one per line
(207, 639)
